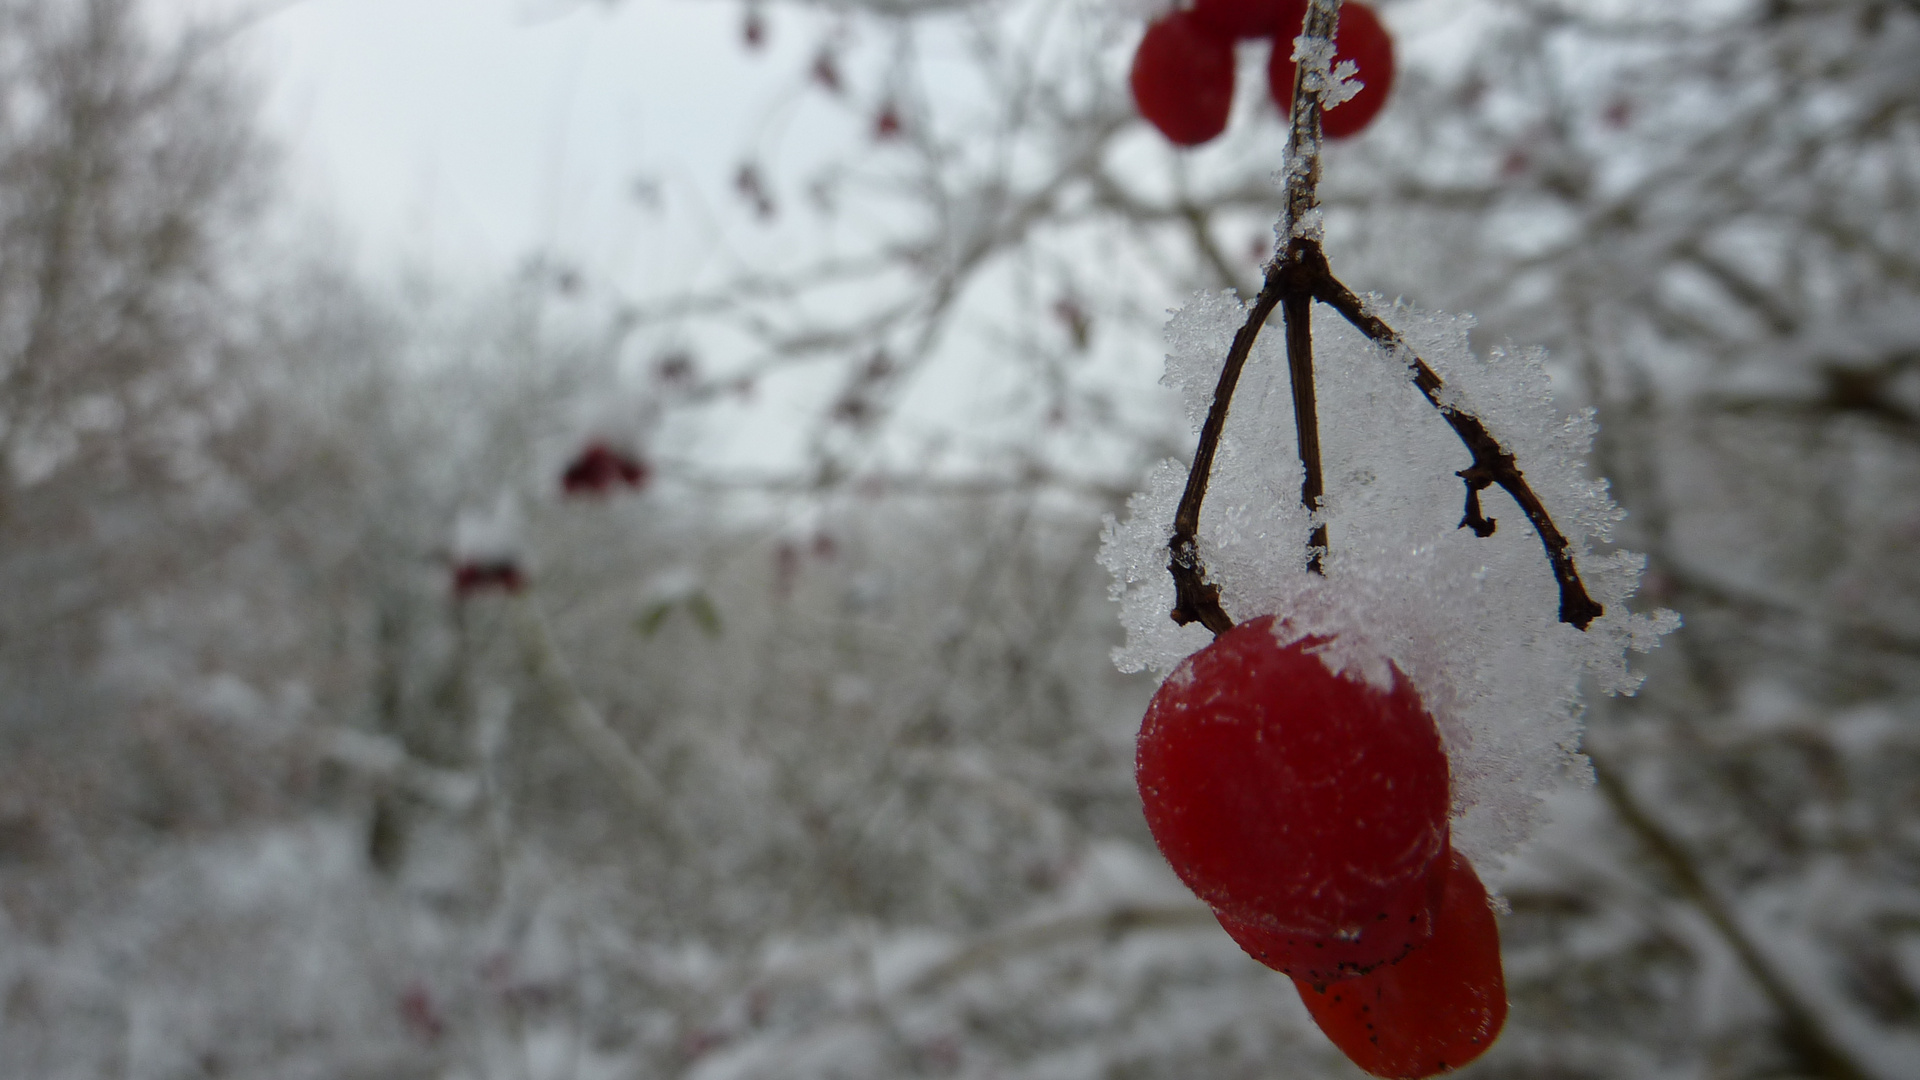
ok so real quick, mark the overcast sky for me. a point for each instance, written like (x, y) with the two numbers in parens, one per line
(461, 135)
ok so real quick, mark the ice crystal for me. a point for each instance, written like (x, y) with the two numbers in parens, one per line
(1471, 621)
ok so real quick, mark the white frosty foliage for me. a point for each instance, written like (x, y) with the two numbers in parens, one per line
(1472, 622)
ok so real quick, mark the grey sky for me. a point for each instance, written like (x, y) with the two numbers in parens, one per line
(463, 134)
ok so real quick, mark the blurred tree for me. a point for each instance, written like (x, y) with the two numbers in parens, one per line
(123, 168)
(828, 773)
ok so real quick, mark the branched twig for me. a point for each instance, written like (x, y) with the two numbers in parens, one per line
(1297, 276)
(1492, 464)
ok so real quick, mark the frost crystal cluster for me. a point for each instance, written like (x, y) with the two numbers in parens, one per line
(1470, 620)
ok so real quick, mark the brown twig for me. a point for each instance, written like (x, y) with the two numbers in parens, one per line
(1492, 464)
(1296, 311)
(1196, 599)
(1299, 275)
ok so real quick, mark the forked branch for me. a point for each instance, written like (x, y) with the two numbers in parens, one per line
(1297, 276)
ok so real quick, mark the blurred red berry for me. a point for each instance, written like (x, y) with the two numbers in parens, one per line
(1361, 39)
(599, 469)
(1183, 79)
(1251, 18)
(498, 575)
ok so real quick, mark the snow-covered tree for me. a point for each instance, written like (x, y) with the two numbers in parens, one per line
(344, 735)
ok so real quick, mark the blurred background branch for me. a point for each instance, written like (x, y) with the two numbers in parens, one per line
(290, 786)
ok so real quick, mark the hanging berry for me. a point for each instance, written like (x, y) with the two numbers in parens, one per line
(494, 575)
(599, 468)
(1307, 808)
(1182, 79)
(1439, 1008)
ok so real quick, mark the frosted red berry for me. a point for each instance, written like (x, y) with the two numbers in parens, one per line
(1250, 18)
(1361, 39)
(1436, 1010)
(1308, 809)
(1182, 79)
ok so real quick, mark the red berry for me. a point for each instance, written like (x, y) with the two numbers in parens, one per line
(598, 468)
(1183, 79)
(501, 575)
(1360, 39)
(1308, 809)
(1251, 18)
(1439, 1008)
(1402, 922)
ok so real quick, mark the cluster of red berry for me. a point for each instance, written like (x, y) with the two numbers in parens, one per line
(595, 472)
(1310, 811)
(1183, 72)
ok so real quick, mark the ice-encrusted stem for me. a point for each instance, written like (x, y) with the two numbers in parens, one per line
(1297, 276)
(1195, 598)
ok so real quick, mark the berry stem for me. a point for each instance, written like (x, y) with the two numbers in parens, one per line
(1297, 276)
(1195, 598)
(1303, 133)
(1492, 464)
(1296, 311)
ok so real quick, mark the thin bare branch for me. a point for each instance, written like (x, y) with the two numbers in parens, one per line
(1297, 312)
(1492, 464)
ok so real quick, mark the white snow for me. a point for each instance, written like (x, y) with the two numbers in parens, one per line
(1472, 622)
